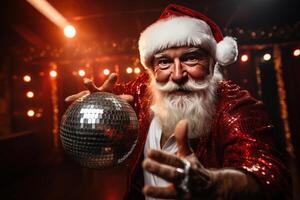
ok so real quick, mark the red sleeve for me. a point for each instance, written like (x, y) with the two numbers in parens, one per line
(249, 143)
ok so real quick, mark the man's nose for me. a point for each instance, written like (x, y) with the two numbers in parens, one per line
(179, 74)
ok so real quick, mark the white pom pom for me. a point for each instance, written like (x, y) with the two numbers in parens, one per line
(226, 52)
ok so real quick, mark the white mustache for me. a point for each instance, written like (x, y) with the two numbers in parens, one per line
(190, 85)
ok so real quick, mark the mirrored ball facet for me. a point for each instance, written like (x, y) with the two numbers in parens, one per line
(100, 130)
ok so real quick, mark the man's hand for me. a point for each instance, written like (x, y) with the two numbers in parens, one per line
(202, 182)
(107, 86)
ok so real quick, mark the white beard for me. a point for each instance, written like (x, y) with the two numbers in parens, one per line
(197, 107)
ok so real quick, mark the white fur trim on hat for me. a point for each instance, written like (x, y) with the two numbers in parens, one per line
(226, 52)
(183, 31)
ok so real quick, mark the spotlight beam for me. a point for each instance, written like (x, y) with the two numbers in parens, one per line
(50, 12)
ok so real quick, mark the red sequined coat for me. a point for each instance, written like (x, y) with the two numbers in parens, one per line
(241, 136)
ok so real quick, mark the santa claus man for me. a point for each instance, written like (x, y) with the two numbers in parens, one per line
(200, 137)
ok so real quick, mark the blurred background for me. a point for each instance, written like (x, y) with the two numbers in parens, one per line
(48, 47)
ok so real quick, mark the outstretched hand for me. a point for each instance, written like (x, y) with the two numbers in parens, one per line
(201, 182)
(166, 166)
(107, 86)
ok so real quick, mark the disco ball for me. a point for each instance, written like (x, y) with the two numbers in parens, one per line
(99, 130)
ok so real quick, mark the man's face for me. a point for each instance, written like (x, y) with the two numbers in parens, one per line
(183, 88)
(181, 64)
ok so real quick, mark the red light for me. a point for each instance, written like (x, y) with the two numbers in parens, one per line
(244, 58)
(296, 52)
(30, 94)
(27, 78)
(81, 73)
(30, 113)
(53, 73)
(106, 72)
(129, 70)
(137, 70)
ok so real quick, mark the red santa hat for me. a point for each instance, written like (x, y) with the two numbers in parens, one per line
(180, 26)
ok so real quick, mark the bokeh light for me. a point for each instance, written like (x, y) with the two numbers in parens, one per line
(267, 57)
(137, 70)
(30, 94)
(296, 52)
(244, 58)
(53, 73)
(30, 113)
(106, 72)
(129, 70)
(81, 73)
(27, 78)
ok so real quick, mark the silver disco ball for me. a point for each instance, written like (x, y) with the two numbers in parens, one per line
(99, 130)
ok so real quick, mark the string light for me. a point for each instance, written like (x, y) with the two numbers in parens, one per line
(106, 72)
(53, 73)
(137, 70)
(296, 52)
(27, 78)
(129, 70)
(244, 58)
(30, 113)
(282, 100)
(30, 94)
(81, 73)
(267, 57)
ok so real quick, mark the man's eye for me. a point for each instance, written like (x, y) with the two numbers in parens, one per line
(163, 63)
(192, 58)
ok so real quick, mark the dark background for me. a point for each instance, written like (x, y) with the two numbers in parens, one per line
(32, 164)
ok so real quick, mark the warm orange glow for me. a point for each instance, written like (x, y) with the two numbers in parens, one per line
(53, 73)
(81, 73)
(106, 72)
(129, 70)
(30, 94)
(244, 58)
(267, 57)
(137, 70)
(30, 113)
(296, 52)
(50, 12)
(27, 78)
(69, 31)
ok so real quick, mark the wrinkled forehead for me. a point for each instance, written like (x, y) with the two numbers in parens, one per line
(179, 51)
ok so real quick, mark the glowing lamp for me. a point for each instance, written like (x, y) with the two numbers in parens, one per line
(27, 78)
(129, 70)
(53, 73)
(30, 113)
(137, 70)
(30, 94)
(81, 73)
(296, 52)
(267, 57)
(244, 58)
(69, 31)
(106, 72)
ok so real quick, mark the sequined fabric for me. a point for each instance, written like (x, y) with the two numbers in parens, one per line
(241, 136)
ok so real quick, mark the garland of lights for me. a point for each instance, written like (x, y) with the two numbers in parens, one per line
(54, 98)
(273, 34)
(280, 88)
(282, 98)
(258, 78)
